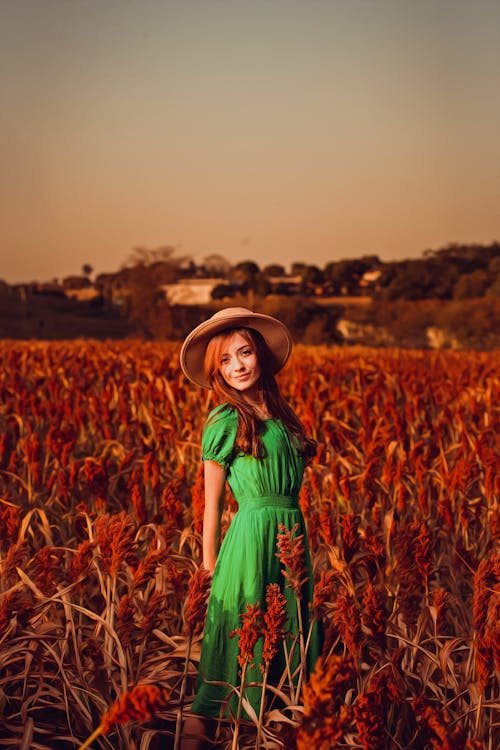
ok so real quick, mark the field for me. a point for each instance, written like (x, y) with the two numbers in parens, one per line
(101, 502)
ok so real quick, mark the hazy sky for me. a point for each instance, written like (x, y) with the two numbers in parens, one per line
(277, 130)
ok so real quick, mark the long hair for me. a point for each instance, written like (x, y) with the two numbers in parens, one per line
(250, 427)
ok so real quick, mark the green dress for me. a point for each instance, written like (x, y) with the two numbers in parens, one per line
(266, 491)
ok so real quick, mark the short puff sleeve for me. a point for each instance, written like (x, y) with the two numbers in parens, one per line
(219, 434)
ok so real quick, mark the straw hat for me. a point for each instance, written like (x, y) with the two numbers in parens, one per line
(275, 334)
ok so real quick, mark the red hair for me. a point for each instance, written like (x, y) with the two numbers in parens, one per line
(250, 427)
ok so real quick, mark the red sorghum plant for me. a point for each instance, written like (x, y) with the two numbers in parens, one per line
(326, 716)
(139, 704)
(486, 587)
(350, 537)
(195, 609)
(273, 631)
(291, 556)
(114, 535)
(374, 615)
(248, 633)
(369, 715)
(347, 620)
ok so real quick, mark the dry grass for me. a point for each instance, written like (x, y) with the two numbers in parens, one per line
(100, 508)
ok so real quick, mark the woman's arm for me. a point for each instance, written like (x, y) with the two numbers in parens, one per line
(215, 482)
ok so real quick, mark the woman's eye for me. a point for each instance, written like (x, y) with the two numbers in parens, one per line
(246, 352)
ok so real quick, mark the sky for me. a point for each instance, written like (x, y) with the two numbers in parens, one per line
(271, 130)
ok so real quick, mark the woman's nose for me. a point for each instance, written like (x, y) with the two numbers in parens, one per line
(239, 364)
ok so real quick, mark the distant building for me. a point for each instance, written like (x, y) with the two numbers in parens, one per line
(82, 295)
(76, 282)
(191, 291)
(80, 288)
(49, 288)
(370, 278)
(285, 284)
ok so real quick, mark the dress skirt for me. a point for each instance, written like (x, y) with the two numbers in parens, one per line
(266, 491)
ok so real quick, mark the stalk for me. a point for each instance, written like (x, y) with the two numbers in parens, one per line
(236, 732)
(478, 712)
(288, 668)
(90, 739)
(302, 649)
(261, 710)
(303, 665)
(178, 722)
(108, 641)
(29, 487)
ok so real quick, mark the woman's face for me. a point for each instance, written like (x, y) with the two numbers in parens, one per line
(239, 365)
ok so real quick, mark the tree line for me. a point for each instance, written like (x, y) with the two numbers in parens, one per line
(453, 272)
(411, 294)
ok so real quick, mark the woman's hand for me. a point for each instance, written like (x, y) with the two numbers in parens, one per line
(215, 486)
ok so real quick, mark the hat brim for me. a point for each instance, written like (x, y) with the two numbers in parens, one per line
(275, 334)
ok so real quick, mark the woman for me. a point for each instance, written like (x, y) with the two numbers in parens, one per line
(255, 442)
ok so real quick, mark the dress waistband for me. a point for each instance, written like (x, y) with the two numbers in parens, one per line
(267, 501)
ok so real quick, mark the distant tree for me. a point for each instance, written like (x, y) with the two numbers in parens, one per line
(298, 268)
(223, 290)
(188, 270)
(284, 289)
(307, 321)
(260, 285)
(474, 322)
(164, 265)
(494, 288)
(87, 269)
(471, 285)
(145, 272)
(466, 258)
(371, 261)
(346, 274)
(247, 266)
(401, 281)
(243, 274)
(312, 275)
(494, 267)
(216, 265)
(440, 278)
(274, 269)
(418, 279)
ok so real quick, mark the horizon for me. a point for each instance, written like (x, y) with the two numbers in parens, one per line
(272, 131)
(94, 273)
